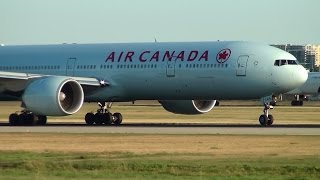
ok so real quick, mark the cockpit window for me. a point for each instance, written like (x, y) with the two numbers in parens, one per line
(281, 62)
(296, 62)
(292, 62)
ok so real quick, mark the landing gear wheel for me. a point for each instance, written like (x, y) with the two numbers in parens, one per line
(14, 119)
(107, 118)
(98, 119)
(104, 116)
(266, 118)
(118, 119)
(296, 103)
(89, 118)
(26, 119)
(42, 120)
(263, 119)
(270, 120)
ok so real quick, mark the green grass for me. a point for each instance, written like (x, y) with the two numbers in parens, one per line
(48, 165)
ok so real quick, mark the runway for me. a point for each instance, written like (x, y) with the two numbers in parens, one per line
(169, 128)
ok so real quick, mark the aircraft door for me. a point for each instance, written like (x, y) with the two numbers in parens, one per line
(242, 65)
(70, 66)
(171, 68)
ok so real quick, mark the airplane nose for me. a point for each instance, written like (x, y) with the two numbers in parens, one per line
(300, 76)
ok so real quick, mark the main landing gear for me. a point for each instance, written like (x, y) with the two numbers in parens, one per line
(103, 116)
(26, 118)
(298, 100)
(266, 118)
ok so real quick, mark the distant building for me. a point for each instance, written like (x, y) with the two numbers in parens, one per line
(307, 55)
(316, 49)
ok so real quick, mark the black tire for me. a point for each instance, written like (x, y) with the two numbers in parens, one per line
(296, 103)
(29, 120)
(301, 103)
(273, 103)
(42, 120)
(98, 119)
(22, 118)
(26, 119)
(263, 119)
(270, 120)
(14, 119)
(118, 119)
(89, 118)
(107, 118)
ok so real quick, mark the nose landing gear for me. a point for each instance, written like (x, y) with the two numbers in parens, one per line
(266, 118)
(103, 116)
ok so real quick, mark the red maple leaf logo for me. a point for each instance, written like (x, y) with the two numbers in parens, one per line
(223, 55)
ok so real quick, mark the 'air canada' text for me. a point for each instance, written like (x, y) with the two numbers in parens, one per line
(149, 56)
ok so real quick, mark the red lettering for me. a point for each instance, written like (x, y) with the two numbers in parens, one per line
(205, 56)
(181, 56)
(141, 56)
(155, 56)
(111, 57)
(193, 55)
(168, 56)
(129, 56)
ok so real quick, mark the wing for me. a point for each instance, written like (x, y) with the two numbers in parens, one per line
(13, 84)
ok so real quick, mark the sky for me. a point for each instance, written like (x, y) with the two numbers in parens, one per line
(103, 21)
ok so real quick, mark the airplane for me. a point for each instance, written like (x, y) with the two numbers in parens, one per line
(185, 77)
(310, 87)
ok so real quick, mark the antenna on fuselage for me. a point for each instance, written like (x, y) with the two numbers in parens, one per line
(155, 40)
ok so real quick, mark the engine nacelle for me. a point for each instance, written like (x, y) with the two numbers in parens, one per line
(53, 96)
(190, 107)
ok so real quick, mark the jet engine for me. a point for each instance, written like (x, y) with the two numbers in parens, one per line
(53, 96)
(189, 107)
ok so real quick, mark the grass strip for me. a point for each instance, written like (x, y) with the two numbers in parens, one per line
(116, 165)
